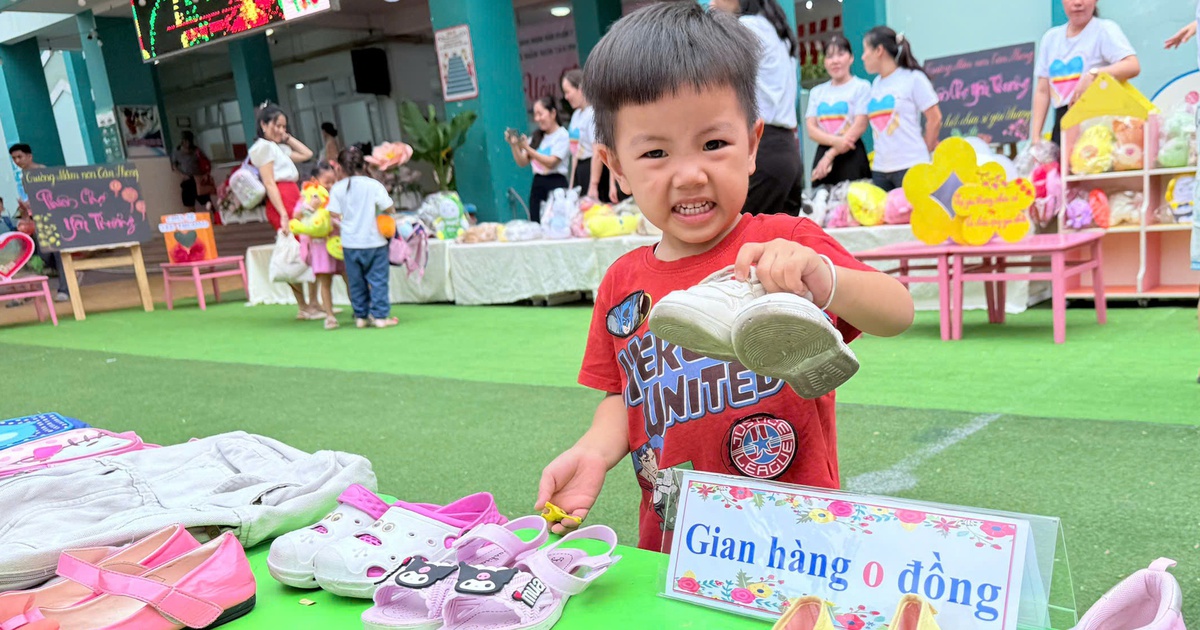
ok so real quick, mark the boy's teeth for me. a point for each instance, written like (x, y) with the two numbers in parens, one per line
(691, 208)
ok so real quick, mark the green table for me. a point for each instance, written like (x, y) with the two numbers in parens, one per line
(625, 597)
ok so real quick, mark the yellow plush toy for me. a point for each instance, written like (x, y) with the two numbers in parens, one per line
(603, 222)
(334, 247)
(313, 219)
(1094, 152)
(867, 203)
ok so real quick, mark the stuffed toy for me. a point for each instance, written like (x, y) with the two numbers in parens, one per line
(867, 203)
(1131, 137)
(897, 210)
(1125, 208)
(1094, 152)
(1176, 139)
(312, 216)
(1180, 196)
(1079, 214)
(840, 217)
(333, 245)
(482, 233)
(1098, 202)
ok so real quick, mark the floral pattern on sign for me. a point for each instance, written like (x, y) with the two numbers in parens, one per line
(858, 618)
(857, 517)
(741, 589)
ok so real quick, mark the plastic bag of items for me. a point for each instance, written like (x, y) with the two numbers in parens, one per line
(246, 187)
(560, 212)
(1095, 150)
(839, 215)
(1079, 212)
(1035, 155)
(1180, 201)
(867, 202)
(814, 205)
(603, 221)
(1125, 208)
(897, 210)
(517, 231)
(482, 233)
(1047, 187)
(1177, 138)
(443, 213)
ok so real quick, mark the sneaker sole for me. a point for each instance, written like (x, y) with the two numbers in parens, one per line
(233, 614)
(295, 579)
(778, 337)
(691, 328)
(357, 590)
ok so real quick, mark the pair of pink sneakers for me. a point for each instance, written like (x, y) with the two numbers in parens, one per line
(166, 581)
(1149, 599)
(498, 578)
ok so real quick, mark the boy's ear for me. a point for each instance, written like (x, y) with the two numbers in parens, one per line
(756, 133)
(610, 159)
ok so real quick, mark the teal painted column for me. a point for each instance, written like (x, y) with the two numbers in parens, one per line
(858, 17)
(592, 19)
(130, 81)
(253, 77)
(85, 107)
(26, 112)
(484, 166)
(1058, 16)
(89, 83)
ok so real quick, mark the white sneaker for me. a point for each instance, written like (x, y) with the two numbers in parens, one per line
(701, 318)
(785, 336)
(291, 558)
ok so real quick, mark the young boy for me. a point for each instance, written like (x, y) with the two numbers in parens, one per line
(673, 88)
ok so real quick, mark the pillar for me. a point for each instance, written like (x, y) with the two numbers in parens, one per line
(25, 110)
(85, 107)
(1058, 15)
(129, 79)
(484, 166)
(253, 77)
(89, 84)
(858, 17)
(592, 19)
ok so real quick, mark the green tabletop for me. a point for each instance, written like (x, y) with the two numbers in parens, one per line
(626, 597)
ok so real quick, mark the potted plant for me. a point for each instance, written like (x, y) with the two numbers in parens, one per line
(434, 141)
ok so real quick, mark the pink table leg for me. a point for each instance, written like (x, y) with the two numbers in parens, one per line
(903, 269)
(216, 289)
(957, 296)
(167, 290)
(245, 281)
(1098, 284)
(989, 291)
(1059, 288)
(1001, 300)
(49, 302)
(199, 287)
(944, 294)
(40, 308)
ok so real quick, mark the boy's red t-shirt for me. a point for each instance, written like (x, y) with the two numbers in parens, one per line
(692, 411)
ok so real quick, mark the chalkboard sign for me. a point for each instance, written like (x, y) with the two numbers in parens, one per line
(987, 93)
(78, 207)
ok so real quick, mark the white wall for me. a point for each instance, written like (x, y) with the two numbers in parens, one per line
(937, 29)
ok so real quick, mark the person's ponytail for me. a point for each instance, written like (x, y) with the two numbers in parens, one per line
(905, 57)
(896, 45)
(774, 14)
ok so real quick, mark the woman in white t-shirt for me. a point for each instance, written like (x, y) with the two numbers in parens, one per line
(837, 118)
(899, 96)
(777, 184)
(1069, 58)
(275, 154)
(549, 153)
(1177, 40)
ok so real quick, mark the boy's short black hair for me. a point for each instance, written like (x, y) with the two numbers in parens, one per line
(22, 147)
(661, 48)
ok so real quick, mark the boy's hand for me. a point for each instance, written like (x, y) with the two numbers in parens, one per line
(572, 481)
(786, 266)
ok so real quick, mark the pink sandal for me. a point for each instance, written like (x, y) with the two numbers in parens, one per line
(413, 599)
(204, 588)
(532, 595)
(136, 559)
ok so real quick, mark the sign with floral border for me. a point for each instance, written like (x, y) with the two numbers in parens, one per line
(749, 547)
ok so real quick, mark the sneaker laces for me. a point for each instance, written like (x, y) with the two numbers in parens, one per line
(725, 281)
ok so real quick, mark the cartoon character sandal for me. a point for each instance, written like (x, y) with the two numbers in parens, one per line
(413, 599)
(291, 557)
(354, 566)
(532, 595)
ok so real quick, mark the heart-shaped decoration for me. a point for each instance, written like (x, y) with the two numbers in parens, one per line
(880, 112)
(185, 238)
(16, 248)
(1065, 75)
(832, 116)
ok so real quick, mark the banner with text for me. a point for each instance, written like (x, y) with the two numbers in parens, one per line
(751, 546)
(80, 207)
(987, 93)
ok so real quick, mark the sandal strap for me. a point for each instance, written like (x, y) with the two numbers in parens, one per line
(563, 580)
(502, 536)
(167, 600)
(30, 615)
(365, 500)
(1162, 564)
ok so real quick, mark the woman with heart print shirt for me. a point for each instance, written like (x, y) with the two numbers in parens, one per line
(837, 118)
(1071, 56)
(899, 95)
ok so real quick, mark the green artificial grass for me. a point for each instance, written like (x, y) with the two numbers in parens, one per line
(1137, 367)
(460, 399)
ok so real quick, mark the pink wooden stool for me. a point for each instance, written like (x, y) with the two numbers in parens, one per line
(33, 287)
(198, 272)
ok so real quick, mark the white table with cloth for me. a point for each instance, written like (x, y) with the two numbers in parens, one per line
(504, 273)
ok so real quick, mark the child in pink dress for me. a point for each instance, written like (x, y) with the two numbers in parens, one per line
(323, 265)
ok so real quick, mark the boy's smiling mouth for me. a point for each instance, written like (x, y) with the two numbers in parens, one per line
(693, 208)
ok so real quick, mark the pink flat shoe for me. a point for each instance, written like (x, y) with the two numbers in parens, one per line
(532, 595)
(413, 599)
(1149, 599)
(21, 612)
(204, 588)
(136, 559)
